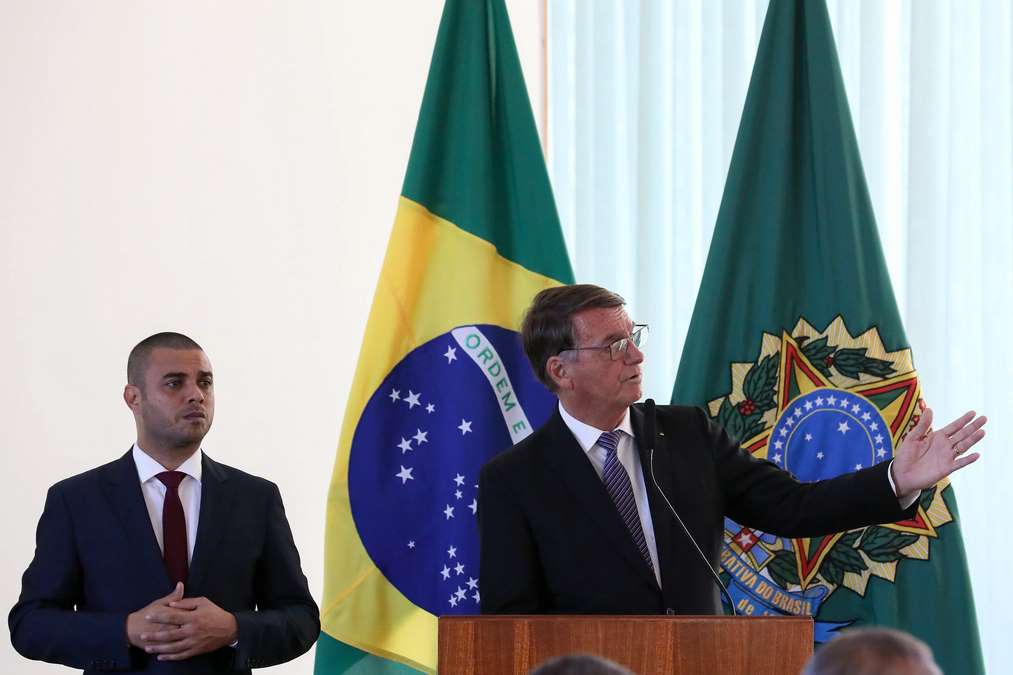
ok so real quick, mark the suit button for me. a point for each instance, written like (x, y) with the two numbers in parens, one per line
(669, 611)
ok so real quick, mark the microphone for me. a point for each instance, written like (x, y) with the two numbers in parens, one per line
(651, 431)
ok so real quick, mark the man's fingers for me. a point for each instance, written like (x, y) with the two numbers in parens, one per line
(968, 442)
(187, 603)
(170, 635)
(177, 594)
(170, 616)
(968, 431)
(958, 424)
(923, 425)
(179, 656)
(961, 462)
(177, 647)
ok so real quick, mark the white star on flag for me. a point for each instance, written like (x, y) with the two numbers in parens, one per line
(421, 437)
(866, 417)
(845, 403)
(831, 400)
(843, 427)
(858, 467)
(808, 437)
(459, 568)
(464, 426)
(808, 405)
(473, 506)
(476, 596)
(778, 445)
(458, 494)
(855, 408)
(405, 445)
(472, 583)
(777, 457)
(430, 408)
(449, 512)
(394, 395)
(451, 354)
(819, 455)
(411, 544)
(452, 552)
(459, 479)
(460, 593)
(445, 572)
(405, 475)
(412, 399)
(453, 600)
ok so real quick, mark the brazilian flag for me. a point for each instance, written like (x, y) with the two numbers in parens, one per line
(442, 383)
(796, 347)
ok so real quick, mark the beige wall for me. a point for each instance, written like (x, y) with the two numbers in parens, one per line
(229, 170)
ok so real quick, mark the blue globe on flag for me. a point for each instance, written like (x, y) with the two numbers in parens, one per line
(446, 408)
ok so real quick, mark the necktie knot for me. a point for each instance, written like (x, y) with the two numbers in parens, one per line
(610, 440)
(171, 479)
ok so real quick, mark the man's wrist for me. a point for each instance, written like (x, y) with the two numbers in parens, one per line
(905, 500)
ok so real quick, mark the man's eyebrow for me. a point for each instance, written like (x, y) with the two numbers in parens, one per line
(172, 375)
(205, 373)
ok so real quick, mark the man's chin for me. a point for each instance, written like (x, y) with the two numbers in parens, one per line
(194, 433)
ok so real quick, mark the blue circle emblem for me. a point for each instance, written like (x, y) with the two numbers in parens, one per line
(828, 432)
(441, 413)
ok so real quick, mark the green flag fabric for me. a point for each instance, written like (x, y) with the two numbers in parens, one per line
(796, 347)
(442, 383)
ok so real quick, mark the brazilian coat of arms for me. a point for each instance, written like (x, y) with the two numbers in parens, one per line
(820, 404)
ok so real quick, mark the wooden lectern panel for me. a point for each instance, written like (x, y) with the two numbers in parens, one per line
(647, 645)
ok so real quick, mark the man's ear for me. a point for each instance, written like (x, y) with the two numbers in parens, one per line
(558, 371)
(132, 396)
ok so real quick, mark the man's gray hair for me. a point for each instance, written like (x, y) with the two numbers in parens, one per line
(873, 651)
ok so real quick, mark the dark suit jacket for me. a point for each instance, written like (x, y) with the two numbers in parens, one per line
(552, 540)
(97, 560)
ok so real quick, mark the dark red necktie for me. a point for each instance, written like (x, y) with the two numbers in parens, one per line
(173, 526)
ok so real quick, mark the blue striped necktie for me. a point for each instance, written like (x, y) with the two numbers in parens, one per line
(617, 482)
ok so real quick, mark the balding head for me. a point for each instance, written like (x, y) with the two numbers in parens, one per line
(873, 651)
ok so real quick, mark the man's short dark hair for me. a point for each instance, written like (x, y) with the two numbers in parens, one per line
(137, 362)
(580, 664)
(873, 651)
(547, 328)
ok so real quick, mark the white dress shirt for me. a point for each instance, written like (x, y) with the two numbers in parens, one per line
(587, 436)
(154, 494)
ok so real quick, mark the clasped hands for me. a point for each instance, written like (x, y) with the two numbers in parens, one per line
(177, 628)
(925, 456)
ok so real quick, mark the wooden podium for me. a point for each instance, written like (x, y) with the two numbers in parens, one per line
(656, 645)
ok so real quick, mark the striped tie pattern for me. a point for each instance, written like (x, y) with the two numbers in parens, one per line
(617, 482)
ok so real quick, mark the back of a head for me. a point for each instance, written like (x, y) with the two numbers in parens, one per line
(873, 651)
(580, 664)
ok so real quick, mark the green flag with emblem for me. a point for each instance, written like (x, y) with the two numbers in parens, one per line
(796, 347)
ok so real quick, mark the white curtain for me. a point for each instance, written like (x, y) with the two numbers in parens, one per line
(644, 104)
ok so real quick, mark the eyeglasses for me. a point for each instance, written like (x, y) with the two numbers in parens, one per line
(619, 348)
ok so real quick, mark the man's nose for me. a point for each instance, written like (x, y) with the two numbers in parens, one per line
(195, 393)
(633, 353)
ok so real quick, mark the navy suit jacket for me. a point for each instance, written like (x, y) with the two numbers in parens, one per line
(552, 540)
(97, 560)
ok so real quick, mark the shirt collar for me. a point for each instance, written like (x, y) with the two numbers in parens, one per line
(587, 435)
(148, 468)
